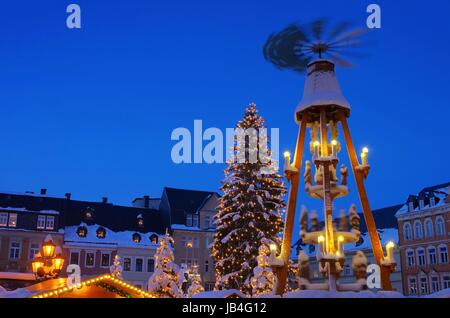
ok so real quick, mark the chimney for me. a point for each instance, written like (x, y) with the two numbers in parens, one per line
(68, 195)
(105, 200)
(43, 191)
(146, 201)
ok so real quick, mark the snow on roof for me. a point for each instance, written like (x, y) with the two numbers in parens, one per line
(182, 227)
(15, 275)
(119, 239)
(440, 193)
(220, 294)
(321, 88)
(350, 294)
(32, 211)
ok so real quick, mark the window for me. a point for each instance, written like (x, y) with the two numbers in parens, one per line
(432, 255)
(12, 220)
(429, 228)
(420, 257)
(75, 258)
(127, 264)
(138, 264)
(445, 282)
(423, 286)
(50, 225)
(440, 226)
(90, 259)
(412, 284)
(82, 231)
(407, 233)
(206, 266)
(435, 284)
(3, 219)
(195, 220)
(89, 213)
(150, 265)
(41, 222)
(154, 239)
(105, 260)
(189, 262)
(189, 220)
(207, 222)
(140, 221)
(418, 230)
(410, 258)
(14, 250)
(443, 253)
(101, 232)
(136, 237)
(34, 249)
(347, 270)
(209, 286)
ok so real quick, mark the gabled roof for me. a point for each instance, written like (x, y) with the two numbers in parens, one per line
(115, 217)
(182, 202)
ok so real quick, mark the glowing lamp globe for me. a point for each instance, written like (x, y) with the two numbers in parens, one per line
(48, 249)
(36, 264)
(58, 262)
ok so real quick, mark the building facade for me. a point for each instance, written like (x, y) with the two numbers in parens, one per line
(91, 234)
(423, 223)
(191, 214)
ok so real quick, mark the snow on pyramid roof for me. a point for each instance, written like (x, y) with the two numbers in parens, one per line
(321, 87)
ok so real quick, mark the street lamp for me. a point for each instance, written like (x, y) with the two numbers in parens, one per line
(49, 262)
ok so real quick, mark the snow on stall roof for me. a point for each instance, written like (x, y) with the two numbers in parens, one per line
(219, 294)
(120, 239)
(16, 275)
(32, 211)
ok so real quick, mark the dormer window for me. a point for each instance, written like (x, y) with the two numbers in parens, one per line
(432, 201)
(101, 232)
(410, 206)
(82, 231)
(88, 213)
(154, 239)
(140, 220)
(136, 237)
(192, 220)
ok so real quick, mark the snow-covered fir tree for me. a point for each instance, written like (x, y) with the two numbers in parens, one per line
(196, 284)
(116, 268)
(164, 280)
(264, 280)
(250, 208)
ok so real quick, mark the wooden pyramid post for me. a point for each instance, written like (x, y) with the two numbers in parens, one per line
(368, 216)
(282, 271)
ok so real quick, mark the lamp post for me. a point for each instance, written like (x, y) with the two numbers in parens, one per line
(49, 262)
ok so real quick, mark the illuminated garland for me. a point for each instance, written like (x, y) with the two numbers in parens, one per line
(62, 290)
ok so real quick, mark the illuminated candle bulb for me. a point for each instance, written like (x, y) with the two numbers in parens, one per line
(273, 252)
(339, 245)
(334, 147)
(316, 148)
(364, 156)
(389, 251)
(321, 240)
(287, 160)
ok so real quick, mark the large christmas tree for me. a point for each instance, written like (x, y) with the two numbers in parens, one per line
(250, 208)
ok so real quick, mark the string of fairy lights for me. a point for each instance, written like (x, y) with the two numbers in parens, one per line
(104, 278)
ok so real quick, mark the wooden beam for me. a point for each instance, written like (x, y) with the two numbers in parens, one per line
(282, 272)
(368, 216)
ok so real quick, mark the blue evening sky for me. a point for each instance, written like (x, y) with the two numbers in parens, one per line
(91, 111)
